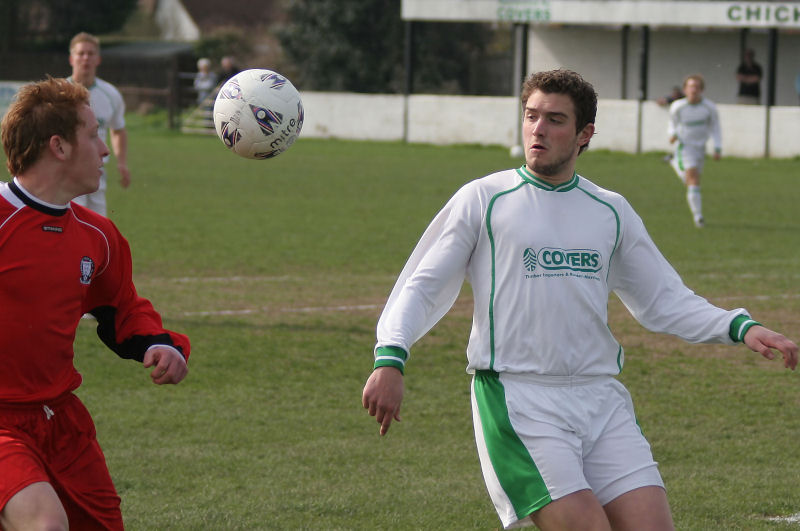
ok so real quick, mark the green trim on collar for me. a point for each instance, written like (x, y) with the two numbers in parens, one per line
(529, 177)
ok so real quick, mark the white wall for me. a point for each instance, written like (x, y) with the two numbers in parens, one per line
(622, 125)
(616, 125)
(784, 132)
(462, 120)
(353, 116)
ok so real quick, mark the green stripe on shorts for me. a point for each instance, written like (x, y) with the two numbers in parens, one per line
(515, 470)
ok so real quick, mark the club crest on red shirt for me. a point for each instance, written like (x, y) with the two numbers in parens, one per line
(87, 268)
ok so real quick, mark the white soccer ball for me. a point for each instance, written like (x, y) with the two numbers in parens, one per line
(258, 114)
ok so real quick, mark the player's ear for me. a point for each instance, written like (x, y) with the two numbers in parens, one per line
(586, 134)
(59, 147)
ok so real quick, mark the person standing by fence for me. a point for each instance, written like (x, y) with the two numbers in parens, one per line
(749, 77)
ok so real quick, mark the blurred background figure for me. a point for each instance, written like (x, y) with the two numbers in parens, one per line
(205, 81)
(229, 68)
(675, 94)
(749, 77)
(109, 108)
(692, 121)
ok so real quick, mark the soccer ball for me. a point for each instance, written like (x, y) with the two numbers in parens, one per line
(258, 114)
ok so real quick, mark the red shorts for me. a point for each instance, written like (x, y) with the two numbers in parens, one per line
(56, 443)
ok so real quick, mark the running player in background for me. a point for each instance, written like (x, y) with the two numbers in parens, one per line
(109, 109)
(59, 260)
(543, 248)
(692, 120)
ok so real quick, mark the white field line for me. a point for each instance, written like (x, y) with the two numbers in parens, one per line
(791, 519)
(759, 297)
(307, 309)
(187, 280)
(346, 308)
(349, 308)
(254, 278)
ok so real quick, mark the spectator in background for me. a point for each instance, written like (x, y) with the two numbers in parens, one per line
(109, 108)
(749, 77)
(675, 94)
(205, 81)
(229, 68)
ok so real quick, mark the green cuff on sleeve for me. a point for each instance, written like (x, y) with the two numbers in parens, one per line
(390, 357)
(739, 327)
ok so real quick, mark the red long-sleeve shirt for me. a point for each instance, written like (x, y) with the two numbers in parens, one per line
(58, 262)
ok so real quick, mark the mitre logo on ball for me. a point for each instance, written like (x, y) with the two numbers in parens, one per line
(258, 114)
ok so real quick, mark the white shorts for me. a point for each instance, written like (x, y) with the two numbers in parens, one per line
(541, 438)
(688, 156)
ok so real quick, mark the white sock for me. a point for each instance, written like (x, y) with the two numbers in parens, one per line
(695, 201)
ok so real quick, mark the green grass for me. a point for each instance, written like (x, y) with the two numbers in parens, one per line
(267, 431)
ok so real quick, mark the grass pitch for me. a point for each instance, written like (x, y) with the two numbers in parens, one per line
(278, 271)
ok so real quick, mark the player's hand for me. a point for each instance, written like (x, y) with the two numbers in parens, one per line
(763, 340)
(382, 396)
(169, 366)
(124, 175)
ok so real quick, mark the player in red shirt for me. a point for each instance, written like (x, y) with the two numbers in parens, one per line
(58, 261)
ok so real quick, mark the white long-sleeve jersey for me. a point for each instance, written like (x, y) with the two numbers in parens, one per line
(695, 123)
(542, 261)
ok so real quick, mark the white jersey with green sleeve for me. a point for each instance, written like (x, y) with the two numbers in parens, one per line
(542, 261)
(108, 107)
(695, 123)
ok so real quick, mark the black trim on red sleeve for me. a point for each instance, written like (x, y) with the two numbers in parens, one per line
(132, 348)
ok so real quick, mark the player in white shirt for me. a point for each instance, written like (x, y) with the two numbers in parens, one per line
(692, 121)
(109, 108)
(543, 248)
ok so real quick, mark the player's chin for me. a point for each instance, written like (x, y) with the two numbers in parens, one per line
(90, 188)
(534, 158)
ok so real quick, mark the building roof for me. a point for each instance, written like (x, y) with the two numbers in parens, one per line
(210, 14)
(708, 13)
(151, 49)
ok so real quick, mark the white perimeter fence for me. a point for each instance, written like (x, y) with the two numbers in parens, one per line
(630, 126)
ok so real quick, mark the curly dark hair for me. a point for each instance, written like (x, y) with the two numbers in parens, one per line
(561, 81)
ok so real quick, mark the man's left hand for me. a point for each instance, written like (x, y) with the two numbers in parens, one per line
(169, 366)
